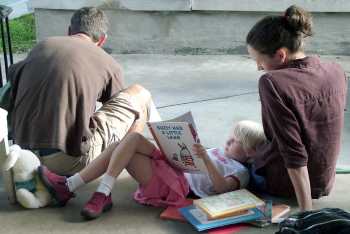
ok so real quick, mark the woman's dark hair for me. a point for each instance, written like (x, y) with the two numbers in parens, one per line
(274, 32)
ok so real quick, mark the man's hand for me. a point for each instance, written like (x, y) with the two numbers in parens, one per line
(301, 183)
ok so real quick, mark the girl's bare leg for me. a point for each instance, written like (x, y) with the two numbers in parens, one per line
(140, 168)
(133, 146)
(116, 157)
(99, 165)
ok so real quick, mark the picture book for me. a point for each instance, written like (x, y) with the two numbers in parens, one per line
(175, 139)
(227, 204)
(198, 218)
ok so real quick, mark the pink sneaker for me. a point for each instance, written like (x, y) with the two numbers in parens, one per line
(56, 185)
(97, 204)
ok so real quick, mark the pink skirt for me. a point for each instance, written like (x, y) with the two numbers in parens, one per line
(167, 187)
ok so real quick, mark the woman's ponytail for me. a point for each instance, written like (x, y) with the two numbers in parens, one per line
(299, 20)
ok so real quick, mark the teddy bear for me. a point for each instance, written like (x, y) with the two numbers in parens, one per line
(30, 191)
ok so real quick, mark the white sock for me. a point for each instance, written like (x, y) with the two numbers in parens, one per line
(75, 182)
(154, 114)
(106, 184)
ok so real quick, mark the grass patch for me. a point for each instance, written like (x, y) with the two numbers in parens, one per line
(23, 36)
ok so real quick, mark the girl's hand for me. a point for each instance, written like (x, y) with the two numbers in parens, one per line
(200, 151)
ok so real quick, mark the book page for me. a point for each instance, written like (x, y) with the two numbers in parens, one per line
(187, 117)
(175, 140)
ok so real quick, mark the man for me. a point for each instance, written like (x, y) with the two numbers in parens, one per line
(55, 90)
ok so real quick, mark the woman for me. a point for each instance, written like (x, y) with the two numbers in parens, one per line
(303, 102)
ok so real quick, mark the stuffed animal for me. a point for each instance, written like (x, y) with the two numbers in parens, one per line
(30, 192)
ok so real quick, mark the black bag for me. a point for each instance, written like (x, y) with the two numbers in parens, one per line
(327, 221)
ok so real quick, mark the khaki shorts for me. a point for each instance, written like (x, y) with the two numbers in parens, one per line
(112, 122)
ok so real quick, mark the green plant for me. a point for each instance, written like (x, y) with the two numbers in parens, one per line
(22, 33)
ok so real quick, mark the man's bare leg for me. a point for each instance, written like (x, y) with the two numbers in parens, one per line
(143, 98)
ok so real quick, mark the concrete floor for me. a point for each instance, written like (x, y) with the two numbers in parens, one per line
(218, 90)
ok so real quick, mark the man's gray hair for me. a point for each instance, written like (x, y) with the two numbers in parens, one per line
(90, 21)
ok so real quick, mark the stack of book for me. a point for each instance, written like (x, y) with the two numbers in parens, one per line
(240, 206)
(274, 214)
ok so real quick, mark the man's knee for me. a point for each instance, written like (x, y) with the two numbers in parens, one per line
(135, 89)
(139, 91)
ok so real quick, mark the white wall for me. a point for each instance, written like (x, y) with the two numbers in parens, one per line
(200, 5)
(195, 26)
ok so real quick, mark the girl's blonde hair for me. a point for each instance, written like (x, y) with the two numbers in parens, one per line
(249, 133)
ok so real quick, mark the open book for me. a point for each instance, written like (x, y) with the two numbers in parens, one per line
(175, 139)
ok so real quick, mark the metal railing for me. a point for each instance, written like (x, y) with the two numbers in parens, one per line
(6, 41)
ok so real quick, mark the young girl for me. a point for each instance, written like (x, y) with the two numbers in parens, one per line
(302, 102)
(159, 183)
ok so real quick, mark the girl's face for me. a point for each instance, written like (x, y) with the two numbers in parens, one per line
(234, 149)
(265, 62)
